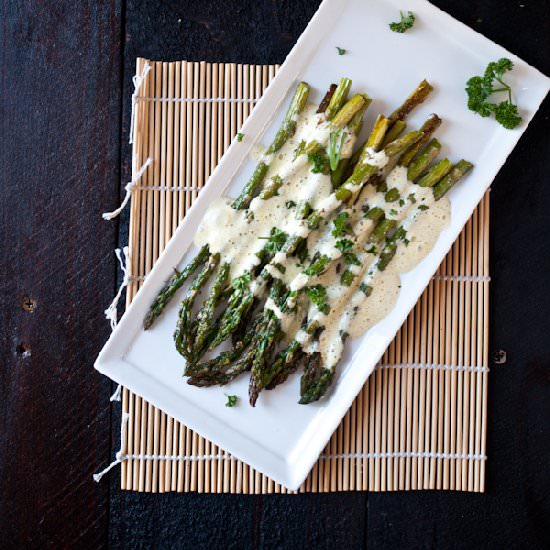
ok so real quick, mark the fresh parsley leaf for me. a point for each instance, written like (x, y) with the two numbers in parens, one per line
(318, 266)
(240, 137)
(406, 22)
(393, 212)
(347, 278)
(371, 250)
(340, 224)
(318, 296)
(412, 198)
(335, 143)
(480, 88)
(344, 245)
(231, 400)
(401, 202)
(290, 204)
(507, 114)
(351, 259)
(423, 207)
(341, 51)
(319, 162)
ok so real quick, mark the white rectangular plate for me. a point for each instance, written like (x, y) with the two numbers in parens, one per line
(279, 437)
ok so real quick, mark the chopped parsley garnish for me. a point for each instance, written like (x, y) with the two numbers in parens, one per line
(347, 278)
(318, 266)
(341, 51)
(275, 241)
(240, 137)
(412, 198)
(231, 400)
(318, 296)
(335, 144)
(344, 245)
(371, 250)
(401, 202)
(366, 289)
(290, 204)
(319, 162)
(351, 259)
(393, 212)
(392, 195)
(340, 224)
(423, 207)
(406, 22)
(479, 88)
(242, 282)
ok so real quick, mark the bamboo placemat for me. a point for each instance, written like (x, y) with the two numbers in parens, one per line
(420, 420)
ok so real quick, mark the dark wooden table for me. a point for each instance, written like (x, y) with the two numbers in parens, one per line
(66, 68)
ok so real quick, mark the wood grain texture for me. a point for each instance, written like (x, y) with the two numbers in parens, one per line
(59, 127)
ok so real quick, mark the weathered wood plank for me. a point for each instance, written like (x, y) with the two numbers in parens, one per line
(59, 125)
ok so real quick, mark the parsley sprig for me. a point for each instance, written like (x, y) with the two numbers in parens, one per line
(406, 22)
(480, 88)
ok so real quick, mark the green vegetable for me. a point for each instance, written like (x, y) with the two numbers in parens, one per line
(423, 207)
(231, 400)
(393, 212)
(392, 195)
(351, 259)
(347, 278)
(344, 245)
(240, 137)
(341, 51)
(335, 144)
(480, 88)
(318, 296)
(341, 225)
(290, 204)
(375, 213)
(319, 162)
(371, 250)
(406, 22)
(366, 289)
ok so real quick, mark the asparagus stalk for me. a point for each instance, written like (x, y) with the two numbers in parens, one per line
(338, 98)
(206, 313)
(287, 129)
(170, 288)
(183, 335)
(326, 100)
(420, 93)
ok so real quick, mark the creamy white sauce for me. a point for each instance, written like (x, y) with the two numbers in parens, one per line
(239, 235)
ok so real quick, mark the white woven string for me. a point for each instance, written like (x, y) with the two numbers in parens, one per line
(111, 312)
(129, 186)
(463, 278)
(117, 395)
(119, 457)
(407, 454)
(138, 81)
(167, 188)
(433, 366)
(197, 99)
(226, 457)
